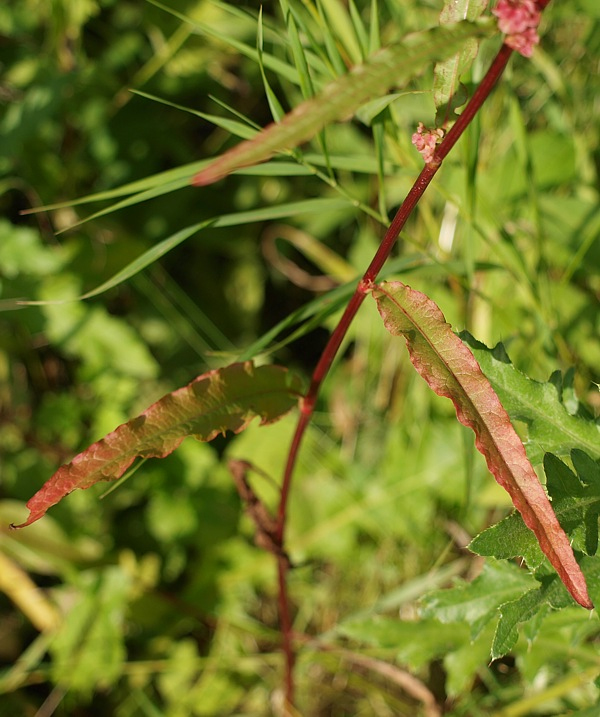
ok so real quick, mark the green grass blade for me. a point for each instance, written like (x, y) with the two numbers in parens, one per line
(290, 209)
(335, 58)
(237, 129)
(170, 177)
(271, 62)
(277, 111)
(134, 267)
(298, 53)
(360, 30)
(374, 36)
(339, 18)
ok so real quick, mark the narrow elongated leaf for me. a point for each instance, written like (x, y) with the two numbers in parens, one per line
(392, 66)
(222, 400)
(451, 370)
(166, 245)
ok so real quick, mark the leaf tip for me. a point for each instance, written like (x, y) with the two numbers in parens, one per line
(204, 178)
(31, 519)
(581, 596)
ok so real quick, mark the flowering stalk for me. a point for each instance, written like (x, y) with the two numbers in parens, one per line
(518, 19)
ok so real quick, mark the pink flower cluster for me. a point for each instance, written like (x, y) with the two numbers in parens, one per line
(426, 140)
(518, 20)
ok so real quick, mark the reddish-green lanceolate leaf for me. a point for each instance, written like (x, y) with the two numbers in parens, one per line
(223, 400)
(392, 66)
(451, 370)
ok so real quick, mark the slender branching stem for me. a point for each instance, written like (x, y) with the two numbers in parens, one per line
(364, 286)
(383, 252)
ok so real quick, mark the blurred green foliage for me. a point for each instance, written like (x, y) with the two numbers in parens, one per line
(169, 609)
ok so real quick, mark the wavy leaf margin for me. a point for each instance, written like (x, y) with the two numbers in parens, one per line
(224, 399)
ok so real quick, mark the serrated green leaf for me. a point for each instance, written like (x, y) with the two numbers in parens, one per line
(576, 502)
(551, 428)
(588, 470)
(392, 66)
(222, 400)
(477, 603)
(529, 610)
(510, 538)
(561, 482)
(511, 614)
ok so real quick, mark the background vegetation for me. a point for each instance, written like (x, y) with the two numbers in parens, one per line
(170, 608)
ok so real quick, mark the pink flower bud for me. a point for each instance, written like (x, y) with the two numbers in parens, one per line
(518, 19)
(426, 140)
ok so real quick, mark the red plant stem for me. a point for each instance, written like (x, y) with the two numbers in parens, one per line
(364, 285)
(286, 633)
(363, 288)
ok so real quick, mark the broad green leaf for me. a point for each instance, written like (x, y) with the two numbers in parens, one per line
(478, 602)
(222, 400)
(447, 73)
(416, 642)
(392, 66)
(451, 370)
(551, 428)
